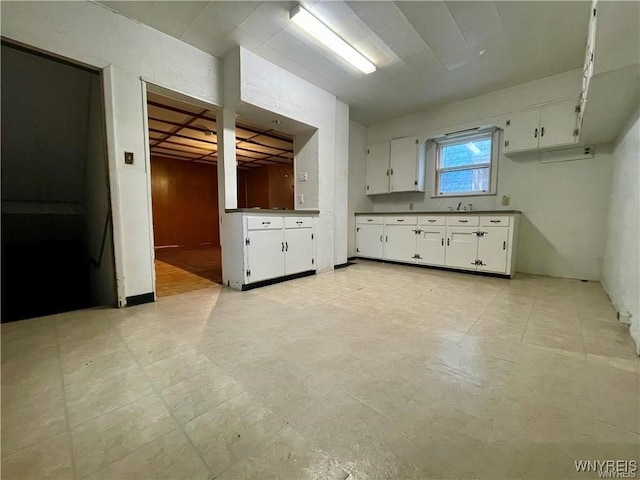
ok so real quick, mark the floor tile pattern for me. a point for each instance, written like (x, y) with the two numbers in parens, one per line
(370, 372)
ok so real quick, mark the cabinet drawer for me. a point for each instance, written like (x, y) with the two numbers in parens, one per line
(463, 220)
(400, 220)
(494, 221)
(377, 220)
(298, 222)
(265, 223)
(432, 220)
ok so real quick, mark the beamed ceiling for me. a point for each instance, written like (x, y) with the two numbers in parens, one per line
(181, 131)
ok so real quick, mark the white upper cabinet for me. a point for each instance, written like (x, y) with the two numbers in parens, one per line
(378, 168)
(406, 173)
(521, 131)
(541, 128)
(395, 166)
(558, 124)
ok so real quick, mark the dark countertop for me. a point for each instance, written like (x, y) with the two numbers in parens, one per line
(272, 211)
(441, 212)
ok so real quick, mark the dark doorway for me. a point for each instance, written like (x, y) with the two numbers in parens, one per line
(57, 241)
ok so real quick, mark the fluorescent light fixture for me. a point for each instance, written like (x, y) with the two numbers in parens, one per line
(326, 36)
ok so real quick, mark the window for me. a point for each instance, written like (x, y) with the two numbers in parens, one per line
(464, 165)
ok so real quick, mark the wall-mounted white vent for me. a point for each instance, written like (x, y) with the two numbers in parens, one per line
(567, 155)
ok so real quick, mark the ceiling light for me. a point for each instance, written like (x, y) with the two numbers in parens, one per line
(326, 36)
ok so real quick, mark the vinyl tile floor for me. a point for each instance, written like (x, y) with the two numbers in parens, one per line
(370, 372)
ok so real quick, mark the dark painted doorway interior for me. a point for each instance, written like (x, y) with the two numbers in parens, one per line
(57, 240)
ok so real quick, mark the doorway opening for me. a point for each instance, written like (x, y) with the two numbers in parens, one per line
(184, 195)
(57, 237)
(183, 145)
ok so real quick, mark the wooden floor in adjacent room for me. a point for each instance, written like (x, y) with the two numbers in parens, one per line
(185, 269)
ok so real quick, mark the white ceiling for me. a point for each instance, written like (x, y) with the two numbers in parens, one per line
(427, 53)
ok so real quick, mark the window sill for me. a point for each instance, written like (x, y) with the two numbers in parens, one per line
(455, 195)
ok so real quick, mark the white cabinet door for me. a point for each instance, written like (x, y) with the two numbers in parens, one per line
(430, 245)
(400, 243)
(298, 250)
(369, 240)
(462, 247)
(403, 165)
(492, 249)
(265, 255)
(522, 131)
(557, 124)
(377, 168)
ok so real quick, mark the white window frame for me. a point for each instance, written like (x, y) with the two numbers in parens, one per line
(439, 143)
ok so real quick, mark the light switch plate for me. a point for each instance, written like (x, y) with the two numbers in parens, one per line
(128, 158)
(303, 177)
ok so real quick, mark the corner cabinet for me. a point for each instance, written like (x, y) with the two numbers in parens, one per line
(551, 126)
(264, 248)
(395, 166)
(482, 242)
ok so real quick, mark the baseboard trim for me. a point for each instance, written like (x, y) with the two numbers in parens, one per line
(141, 299)
(273, 281)
(434, 267)
(342, 265)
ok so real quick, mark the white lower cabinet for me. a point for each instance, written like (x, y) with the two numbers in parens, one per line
(265, 255)
(369, 236)
(264, 247)
(492, 249)
(369, 241)
(298, 250)
(462, 247)
(430, 245)
(473, 248)
(482, 243)
(400, 243)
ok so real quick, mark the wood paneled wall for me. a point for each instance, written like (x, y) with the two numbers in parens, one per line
(184, 199)
(266, 187)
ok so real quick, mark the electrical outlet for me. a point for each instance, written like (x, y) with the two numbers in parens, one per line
(411, 206)
(506, 200)
(300, 198)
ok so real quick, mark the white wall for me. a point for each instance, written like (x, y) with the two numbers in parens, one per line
(358, 201)
(128, 52)
(621, 270)
(269, 87)
(564, 204)
(341, 183)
